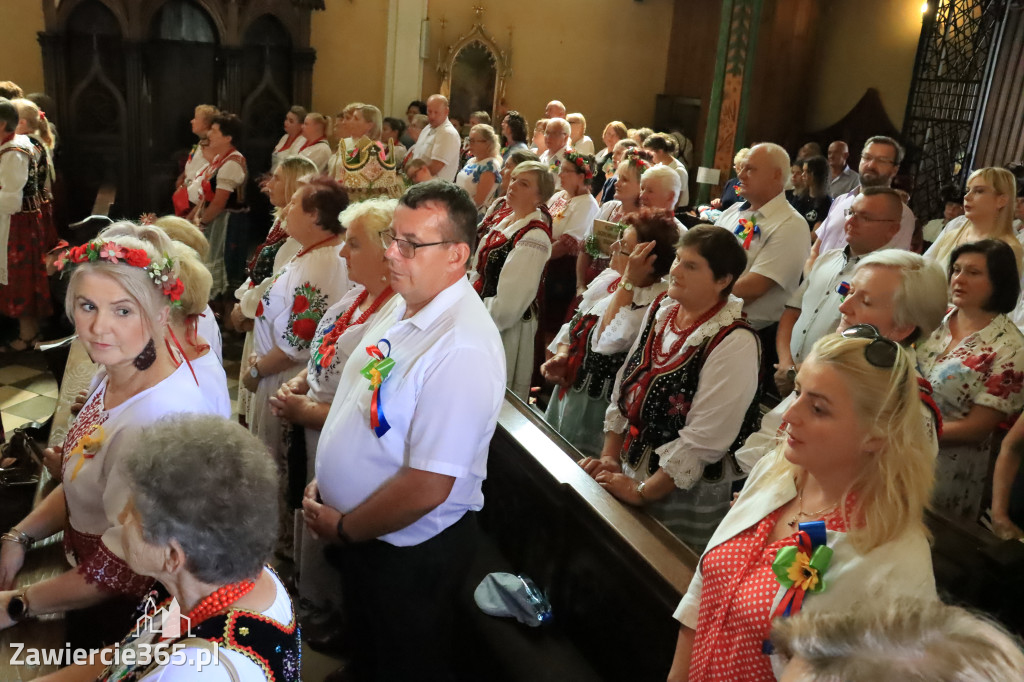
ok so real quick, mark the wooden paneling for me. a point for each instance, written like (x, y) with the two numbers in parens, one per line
(783, 69)
(691, 56)
(1002, 136)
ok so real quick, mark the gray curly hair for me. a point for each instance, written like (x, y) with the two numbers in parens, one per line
(208, 483)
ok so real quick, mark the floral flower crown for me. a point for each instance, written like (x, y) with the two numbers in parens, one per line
(161, 271)
(581, 162)
(638, 158)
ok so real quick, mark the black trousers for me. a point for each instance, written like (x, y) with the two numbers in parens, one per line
(399, 603)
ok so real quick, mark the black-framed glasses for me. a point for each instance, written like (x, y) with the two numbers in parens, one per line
(406, 247)
(881, 352)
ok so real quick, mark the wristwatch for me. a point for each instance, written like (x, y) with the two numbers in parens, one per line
(17, 608)
(254, 371)
(628, 286)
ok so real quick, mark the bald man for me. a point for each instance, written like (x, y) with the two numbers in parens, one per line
(840, 178)
(439, 143)
(554, 109)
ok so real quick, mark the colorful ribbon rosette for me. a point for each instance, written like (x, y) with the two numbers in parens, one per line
(843, 290)
(746, 230)
(87, 447)
(800, 569)
(376, 371)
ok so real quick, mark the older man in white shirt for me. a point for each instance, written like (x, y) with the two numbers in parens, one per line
(556, 141)
(773, 233)
(403, 452)
(439, 143)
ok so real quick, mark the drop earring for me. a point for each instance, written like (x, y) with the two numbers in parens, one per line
(146, 358)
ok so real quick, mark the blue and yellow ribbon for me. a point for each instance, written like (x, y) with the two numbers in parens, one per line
(376, 371)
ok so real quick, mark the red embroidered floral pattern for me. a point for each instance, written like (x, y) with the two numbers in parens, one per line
(89, 417)
(102, 567)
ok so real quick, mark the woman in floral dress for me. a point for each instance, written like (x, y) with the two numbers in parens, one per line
(975, 363)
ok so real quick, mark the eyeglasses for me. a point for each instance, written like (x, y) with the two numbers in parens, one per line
(850, 213)
(881, 352)
(405, 247)
(617, 248)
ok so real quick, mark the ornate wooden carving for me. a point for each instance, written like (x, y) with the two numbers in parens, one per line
(123, 87)
(478, 38)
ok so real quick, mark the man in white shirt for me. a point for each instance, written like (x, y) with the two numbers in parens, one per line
(399, 468)
(579, 140)
(813, 311)
(556, 141)
(439, 143)
(879, 164)
(775, 237)
(840, 178)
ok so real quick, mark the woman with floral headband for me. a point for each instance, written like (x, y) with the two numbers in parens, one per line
(573, 210)
(120, 297)
(291, 307)
(591, 261)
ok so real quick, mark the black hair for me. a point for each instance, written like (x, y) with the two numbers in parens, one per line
(420, 105)
(230, 126)
(327, 199)
(517, 127)
(462, 215)
(8, 115)
(817, 166)
(397, 124)
(1001, 262)
(720, 249)
(662, 142)
(951, 194)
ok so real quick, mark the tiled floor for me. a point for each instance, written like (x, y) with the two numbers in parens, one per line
(28, 392)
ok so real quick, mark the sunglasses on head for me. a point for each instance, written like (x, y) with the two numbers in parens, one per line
(881, 352)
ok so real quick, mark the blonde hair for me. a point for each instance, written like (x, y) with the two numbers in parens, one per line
(208, 112)
(294, 170)
(29, 111)
(374, 214)
(135, 281)
(197, 280)
(741, 156)
(904, 639)
(1005, 184)
(894, 488)
(545, 180)
(493, 143)
(318, 119)
(371, 115)
(181, 230)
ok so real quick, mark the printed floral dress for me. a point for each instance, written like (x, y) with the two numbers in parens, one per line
(985, 368)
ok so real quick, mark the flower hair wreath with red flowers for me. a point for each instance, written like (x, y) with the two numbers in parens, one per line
(161, 271)
(581, 162)
(638, 158)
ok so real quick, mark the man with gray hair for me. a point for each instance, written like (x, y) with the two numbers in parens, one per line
(773, 234)
(439, 143)
(556, 141)
(879, 164)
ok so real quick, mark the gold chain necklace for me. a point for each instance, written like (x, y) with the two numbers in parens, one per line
(808, 515)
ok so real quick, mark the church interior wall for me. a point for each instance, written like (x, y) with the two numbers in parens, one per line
(350, 39)
(21, 60)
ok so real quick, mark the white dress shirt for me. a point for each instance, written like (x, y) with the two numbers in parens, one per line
(818, 301)
(441, 399)
(778, 253)
(440, 144)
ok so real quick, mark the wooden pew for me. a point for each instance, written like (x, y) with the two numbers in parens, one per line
(613, 575)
